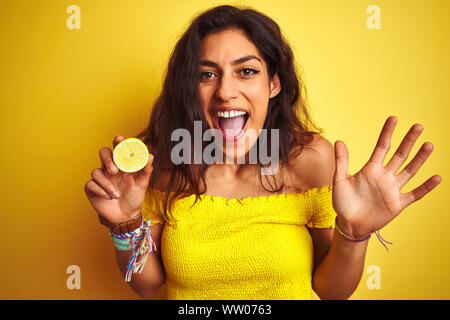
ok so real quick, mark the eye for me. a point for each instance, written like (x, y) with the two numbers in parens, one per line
(206, 75)
(247, 72)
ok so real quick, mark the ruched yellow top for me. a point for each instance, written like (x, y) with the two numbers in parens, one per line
(256, 248)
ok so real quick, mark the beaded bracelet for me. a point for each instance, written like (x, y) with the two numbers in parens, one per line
(139, 242)
(377, 233)
(348, 237)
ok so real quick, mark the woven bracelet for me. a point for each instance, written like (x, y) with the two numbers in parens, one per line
(140, 243)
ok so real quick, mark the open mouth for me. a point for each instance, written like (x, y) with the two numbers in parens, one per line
(231, 124)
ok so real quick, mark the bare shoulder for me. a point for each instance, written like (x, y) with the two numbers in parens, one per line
(314, 166)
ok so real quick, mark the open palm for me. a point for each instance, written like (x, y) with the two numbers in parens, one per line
(370, 199)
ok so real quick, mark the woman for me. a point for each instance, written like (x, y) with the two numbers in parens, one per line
(229, 230)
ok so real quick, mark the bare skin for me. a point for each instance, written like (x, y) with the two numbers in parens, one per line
(364, 202)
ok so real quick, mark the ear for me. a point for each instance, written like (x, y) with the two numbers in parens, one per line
(275, 86)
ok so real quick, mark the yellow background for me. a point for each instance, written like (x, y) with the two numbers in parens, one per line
(64, 94)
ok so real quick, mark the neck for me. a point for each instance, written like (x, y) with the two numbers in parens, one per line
(231, 171)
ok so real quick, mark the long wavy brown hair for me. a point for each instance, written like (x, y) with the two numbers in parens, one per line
(178, 105)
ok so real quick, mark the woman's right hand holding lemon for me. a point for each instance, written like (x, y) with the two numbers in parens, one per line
(117, 195)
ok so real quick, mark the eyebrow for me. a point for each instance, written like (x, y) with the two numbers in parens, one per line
(237, 61)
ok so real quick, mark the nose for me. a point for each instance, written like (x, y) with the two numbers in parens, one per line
(227, 88)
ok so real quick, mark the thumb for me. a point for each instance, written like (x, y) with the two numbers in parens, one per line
(117, 139)
(341, 157)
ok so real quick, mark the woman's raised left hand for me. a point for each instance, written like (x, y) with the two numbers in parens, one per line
(370, 199)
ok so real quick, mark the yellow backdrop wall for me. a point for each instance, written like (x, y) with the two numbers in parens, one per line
(66, 92)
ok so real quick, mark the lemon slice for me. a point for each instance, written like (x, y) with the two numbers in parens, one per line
(130, 155)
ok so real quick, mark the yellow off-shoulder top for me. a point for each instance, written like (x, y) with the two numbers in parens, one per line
(256, 248)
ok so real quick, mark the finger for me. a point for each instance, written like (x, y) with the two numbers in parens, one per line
(414, 165)
(384, 141)
(92, 189)
(99, 177)
(117, 139)
(402, 153)
(106, 157)
(421, 191)
(341, 156)
(143, 176)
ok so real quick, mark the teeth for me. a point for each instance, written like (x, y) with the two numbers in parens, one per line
(232, 113)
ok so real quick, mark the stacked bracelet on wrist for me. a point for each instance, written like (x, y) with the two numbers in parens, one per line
(377, 233)
(132, 235)
(129, 240)
(139, 241)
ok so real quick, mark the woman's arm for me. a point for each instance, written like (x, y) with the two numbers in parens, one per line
(338, 264)
(366, 202)
(152, 277)
(117, 196)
